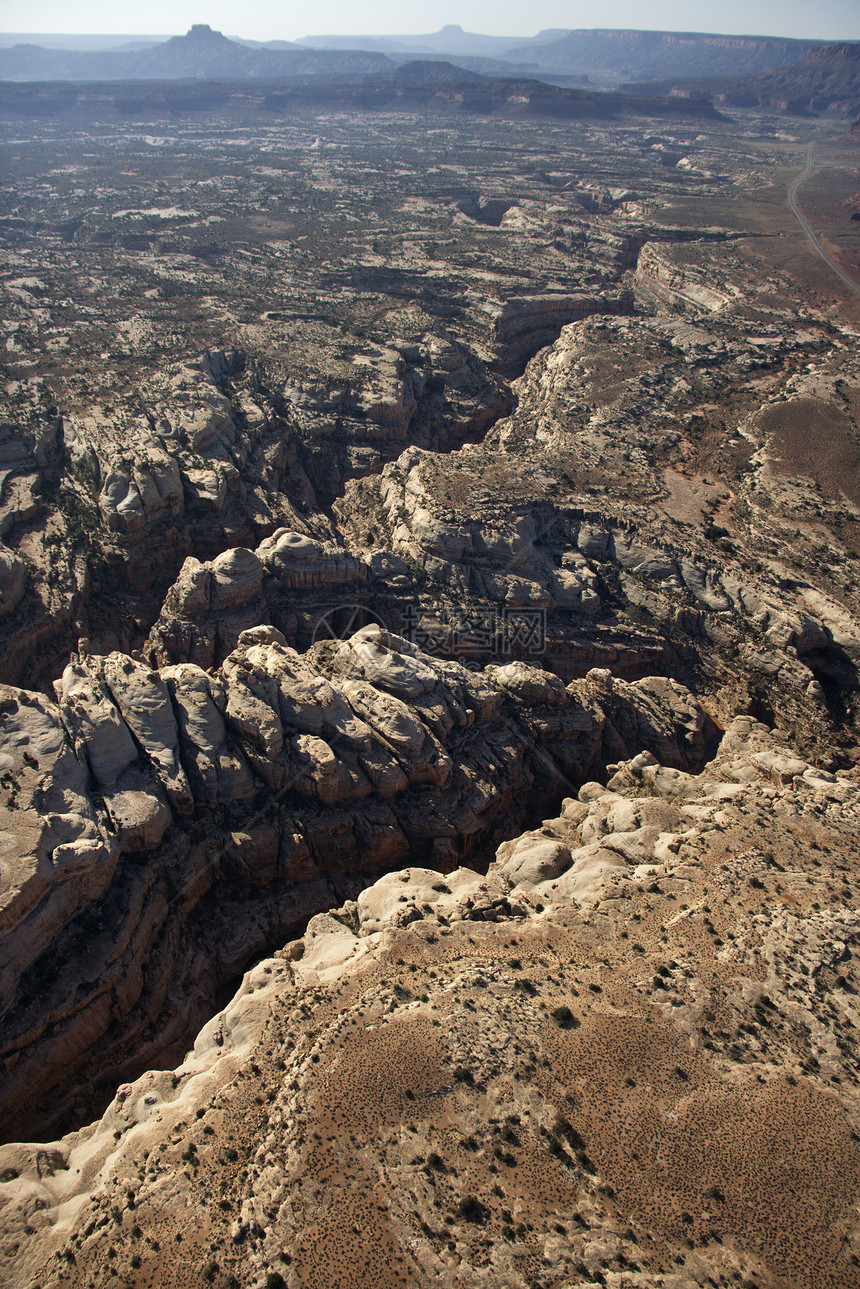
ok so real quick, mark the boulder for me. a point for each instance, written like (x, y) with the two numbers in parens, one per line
(236, 578)
(532, 859)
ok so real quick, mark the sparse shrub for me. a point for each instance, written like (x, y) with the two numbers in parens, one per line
(471, 1209)
(564, 1128)
(565, 1018)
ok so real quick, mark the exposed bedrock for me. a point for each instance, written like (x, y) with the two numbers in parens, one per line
(675, 275)
(464, 575)
(199, 458)
(430, 390)
(618, 498)
(196, 458)
(667, 937)
(164, 828)
(641, 525)
(604, 581)
(525, 324)
(290, 580)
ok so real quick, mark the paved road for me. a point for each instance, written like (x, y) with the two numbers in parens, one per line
(813, 240)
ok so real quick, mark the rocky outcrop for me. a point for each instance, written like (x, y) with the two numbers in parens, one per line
(647, 999)
(524, 324)
(198, 459)
(60, 852)
(203, 457)
(668, 276)
(431, 390)
(208, 446)
(210, 605)
(13, 577)
(578, 568)
(150, 809)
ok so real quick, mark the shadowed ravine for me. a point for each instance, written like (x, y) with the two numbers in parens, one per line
(218, 869)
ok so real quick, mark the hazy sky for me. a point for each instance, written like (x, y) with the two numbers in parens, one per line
(274, 19)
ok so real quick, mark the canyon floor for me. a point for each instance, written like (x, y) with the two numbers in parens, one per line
(429, 729)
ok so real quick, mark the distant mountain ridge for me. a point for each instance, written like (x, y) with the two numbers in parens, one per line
(637, 55)
(91, 42)
(606, 55)
(623, 54)
(825, 79)
(201, 54)
(451, 39)
(422, 86)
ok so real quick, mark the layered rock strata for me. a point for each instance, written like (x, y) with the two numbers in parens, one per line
(164, 827)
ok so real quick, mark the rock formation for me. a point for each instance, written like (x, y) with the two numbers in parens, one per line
(639, 1022)
(164, 827)
(428, 584)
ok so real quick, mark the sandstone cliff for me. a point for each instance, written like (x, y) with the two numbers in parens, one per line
(626, 1051)
(164, 828)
